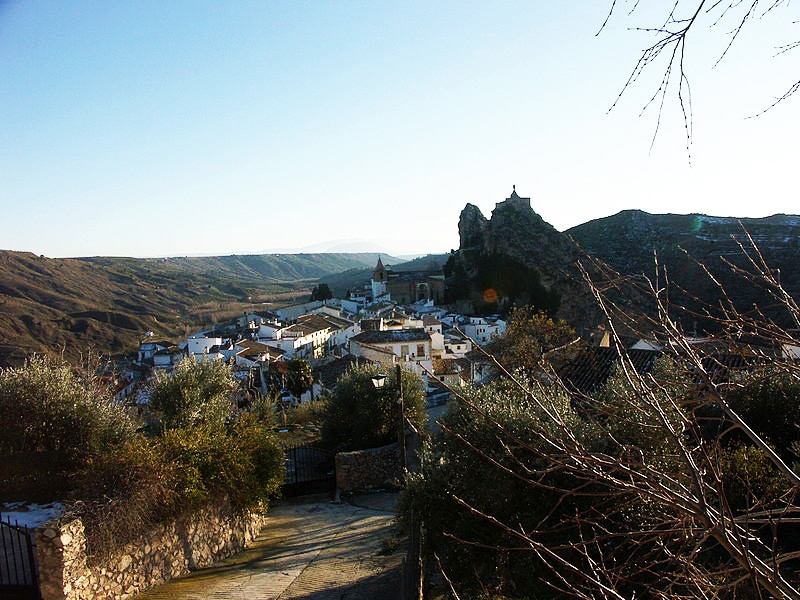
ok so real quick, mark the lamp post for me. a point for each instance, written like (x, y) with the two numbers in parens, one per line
(378, 381)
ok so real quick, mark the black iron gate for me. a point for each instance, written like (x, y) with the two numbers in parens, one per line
(18, 578)
(309, 470)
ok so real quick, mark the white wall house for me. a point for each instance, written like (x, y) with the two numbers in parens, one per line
(456, 346)
(197, 346)
(148, 349)
(412, 347)
(291, 313)
(482, 330)
(269, 331)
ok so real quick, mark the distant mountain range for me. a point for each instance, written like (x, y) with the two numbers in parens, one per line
(76, 305)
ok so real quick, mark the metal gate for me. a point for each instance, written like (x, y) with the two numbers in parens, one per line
(18, 577)
(309, 470)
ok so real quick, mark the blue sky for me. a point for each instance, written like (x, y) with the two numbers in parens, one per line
(174, 128)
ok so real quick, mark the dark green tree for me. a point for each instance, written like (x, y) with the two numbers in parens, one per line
(321, 292)
(48, 406)
(534, 341)
(299, 376)
(358, 416)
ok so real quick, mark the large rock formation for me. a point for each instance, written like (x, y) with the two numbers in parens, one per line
(520, 257)
(471, 227)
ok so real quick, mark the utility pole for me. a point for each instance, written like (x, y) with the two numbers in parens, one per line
(401, 431)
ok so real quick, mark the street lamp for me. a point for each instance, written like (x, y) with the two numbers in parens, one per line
(379, 381)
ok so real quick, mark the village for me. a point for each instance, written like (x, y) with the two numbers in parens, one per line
(394, 319)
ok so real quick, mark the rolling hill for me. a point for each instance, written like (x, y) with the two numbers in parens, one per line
(105, 304)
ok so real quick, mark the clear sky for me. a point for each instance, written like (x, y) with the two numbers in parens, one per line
(210, 127)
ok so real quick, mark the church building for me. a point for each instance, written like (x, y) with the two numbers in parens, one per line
(406, 287)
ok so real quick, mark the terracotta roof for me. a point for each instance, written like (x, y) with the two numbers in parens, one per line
(446, 366)
(335, 322)
(306, 326)
(251, 346)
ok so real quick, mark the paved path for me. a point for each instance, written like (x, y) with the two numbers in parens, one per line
(310, 551)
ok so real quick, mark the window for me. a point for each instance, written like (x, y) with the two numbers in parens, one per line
(404, 350)
(420, 349)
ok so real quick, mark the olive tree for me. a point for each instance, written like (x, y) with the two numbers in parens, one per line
(195, 393)
(626, 491)
(48, 406)
(358, 415)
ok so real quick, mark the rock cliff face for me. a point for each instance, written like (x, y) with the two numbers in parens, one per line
(519, 256)
(471, 227)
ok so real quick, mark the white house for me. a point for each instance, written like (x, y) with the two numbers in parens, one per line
(306, 338)
(482, 330)
(409, 346)
(148, 349)
(456, 346)
(269, 330)
(167, 358)
(202, 345)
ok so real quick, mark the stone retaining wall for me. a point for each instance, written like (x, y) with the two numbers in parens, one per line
(367, 470)
(197, 540)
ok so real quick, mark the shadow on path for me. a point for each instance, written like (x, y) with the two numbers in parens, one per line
(315, 550)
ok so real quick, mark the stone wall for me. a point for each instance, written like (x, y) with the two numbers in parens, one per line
(366, 470)
(197, 540)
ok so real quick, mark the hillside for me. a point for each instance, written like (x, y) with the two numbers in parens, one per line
(628, 240)
(254, 268)
(106, 304)
(523, 259)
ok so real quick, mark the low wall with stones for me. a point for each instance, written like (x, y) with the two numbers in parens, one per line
(367, 470)
(173, 549)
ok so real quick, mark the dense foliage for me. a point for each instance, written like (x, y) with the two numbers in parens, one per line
(495, 282)
(321, 292)
(121, 482)
(47, 406)
(532, 339)
(358, 415)
(528, 487)
(299, 376)
(195, 393)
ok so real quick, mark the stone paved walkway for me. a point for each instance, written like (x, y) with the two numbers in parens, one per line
(314, 550)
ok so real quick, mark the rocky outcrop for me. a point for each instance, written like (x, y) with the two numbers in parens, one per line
(471, 227)
(538, 262)
(516, 230)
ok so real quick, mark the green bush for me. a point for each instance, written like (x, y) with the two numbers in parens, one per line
(359, 416)
(149, 480)
(195, 393)
(126, 491)
(45, 406)
(767, 400)
(244, 462)
(495, 438)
